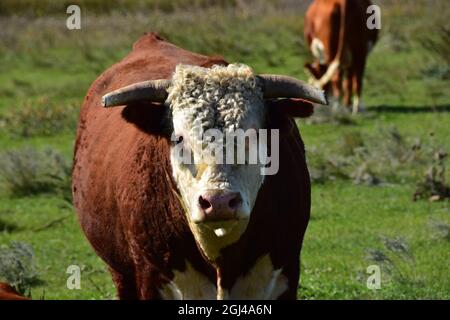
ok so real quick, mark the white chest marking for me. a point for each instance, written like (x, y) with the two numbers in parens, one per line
(261, 282)
(189, 284)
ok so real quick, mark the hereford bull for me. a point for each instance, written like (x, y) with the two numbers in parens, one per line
(171, 230)
(337, 34)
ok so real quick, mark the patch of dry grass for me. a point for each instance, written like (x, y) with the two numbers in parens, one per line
(387, 157)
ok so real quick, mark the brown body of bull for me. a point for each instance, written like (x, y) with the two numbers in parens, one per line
(123, 190)
(341, 28)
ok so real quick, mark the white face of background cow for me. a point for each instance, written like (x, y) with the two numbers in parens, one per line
(218, 196)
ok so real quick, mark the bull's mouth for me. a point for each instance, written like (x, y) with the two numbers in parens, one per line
(223, 227)
(212, 236)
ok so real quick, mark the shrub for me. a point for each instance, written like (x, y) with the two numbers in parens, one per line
(335, 115)
(397, 260)
(432, 186)
(17, 266)
(441, 230)
(438, 45)
(40, 118)
(386, 157)
(29, 171)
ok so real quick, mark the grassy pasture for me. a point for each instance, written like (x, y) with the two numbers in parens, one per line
(365, 169)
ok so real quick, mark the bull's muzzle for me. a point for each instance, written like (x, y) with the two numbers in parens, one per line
(219, 205)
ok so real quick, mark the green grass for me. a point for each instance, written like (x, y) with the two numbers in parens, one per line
(347, 220)
(55, 248)
(46, 66)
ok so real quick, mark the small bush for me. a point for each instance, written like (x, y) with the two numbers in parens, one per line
(396, 259)
(432, 186)
(386, 157)
(334, 115)
(438, 44)
(441, 230)
(29, 171)
(40, 118)
(17, 266)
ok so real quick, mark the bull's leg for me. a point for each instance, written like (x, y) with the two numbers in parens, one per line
(357, 83)
(348, 84)
(148, 280)
(336, 82)
(292, 271)
(125, 285)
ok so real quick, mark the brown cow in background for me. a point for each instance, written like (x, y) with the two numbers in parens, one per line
(337, 34)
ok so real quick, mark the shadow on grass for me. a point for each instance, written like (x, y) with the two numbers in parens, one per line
(29, 290)
(8, 226)
(410, 109)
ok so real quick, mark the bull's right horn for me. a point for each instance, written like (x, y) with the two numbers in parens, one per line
(278, 86)
(150, 90)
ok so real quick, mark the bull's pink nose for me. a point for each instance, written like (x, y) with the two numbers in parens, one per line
(217, 206)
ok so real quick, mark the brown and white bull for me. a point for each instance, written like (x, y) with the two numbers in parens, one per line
(171, 230)
(337, 34)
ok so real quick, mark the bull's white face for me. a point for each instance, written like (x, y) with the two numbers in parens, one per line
(217, 197)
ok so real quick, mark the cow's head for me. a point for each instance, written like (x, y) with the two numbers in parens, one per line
(315, 70)
(210, 108)
(320, 75)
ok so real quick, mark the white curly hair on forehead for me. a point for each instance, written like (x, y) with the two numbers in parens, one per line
(217, 97)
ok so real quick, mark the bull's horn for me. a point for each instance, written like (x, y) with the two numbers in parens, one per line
(278, 86)
(151, 90)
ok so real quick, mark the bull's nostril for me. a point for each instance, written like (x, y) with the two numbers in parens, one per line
(235, 202)
(204, 204)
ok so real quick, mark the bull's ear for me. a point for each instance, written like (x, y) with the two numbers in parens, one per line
(291, 107)
(149, 117)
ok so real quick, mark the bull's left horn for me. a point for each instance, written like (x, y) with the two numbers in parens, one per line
(278, 86)
(151, 90)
